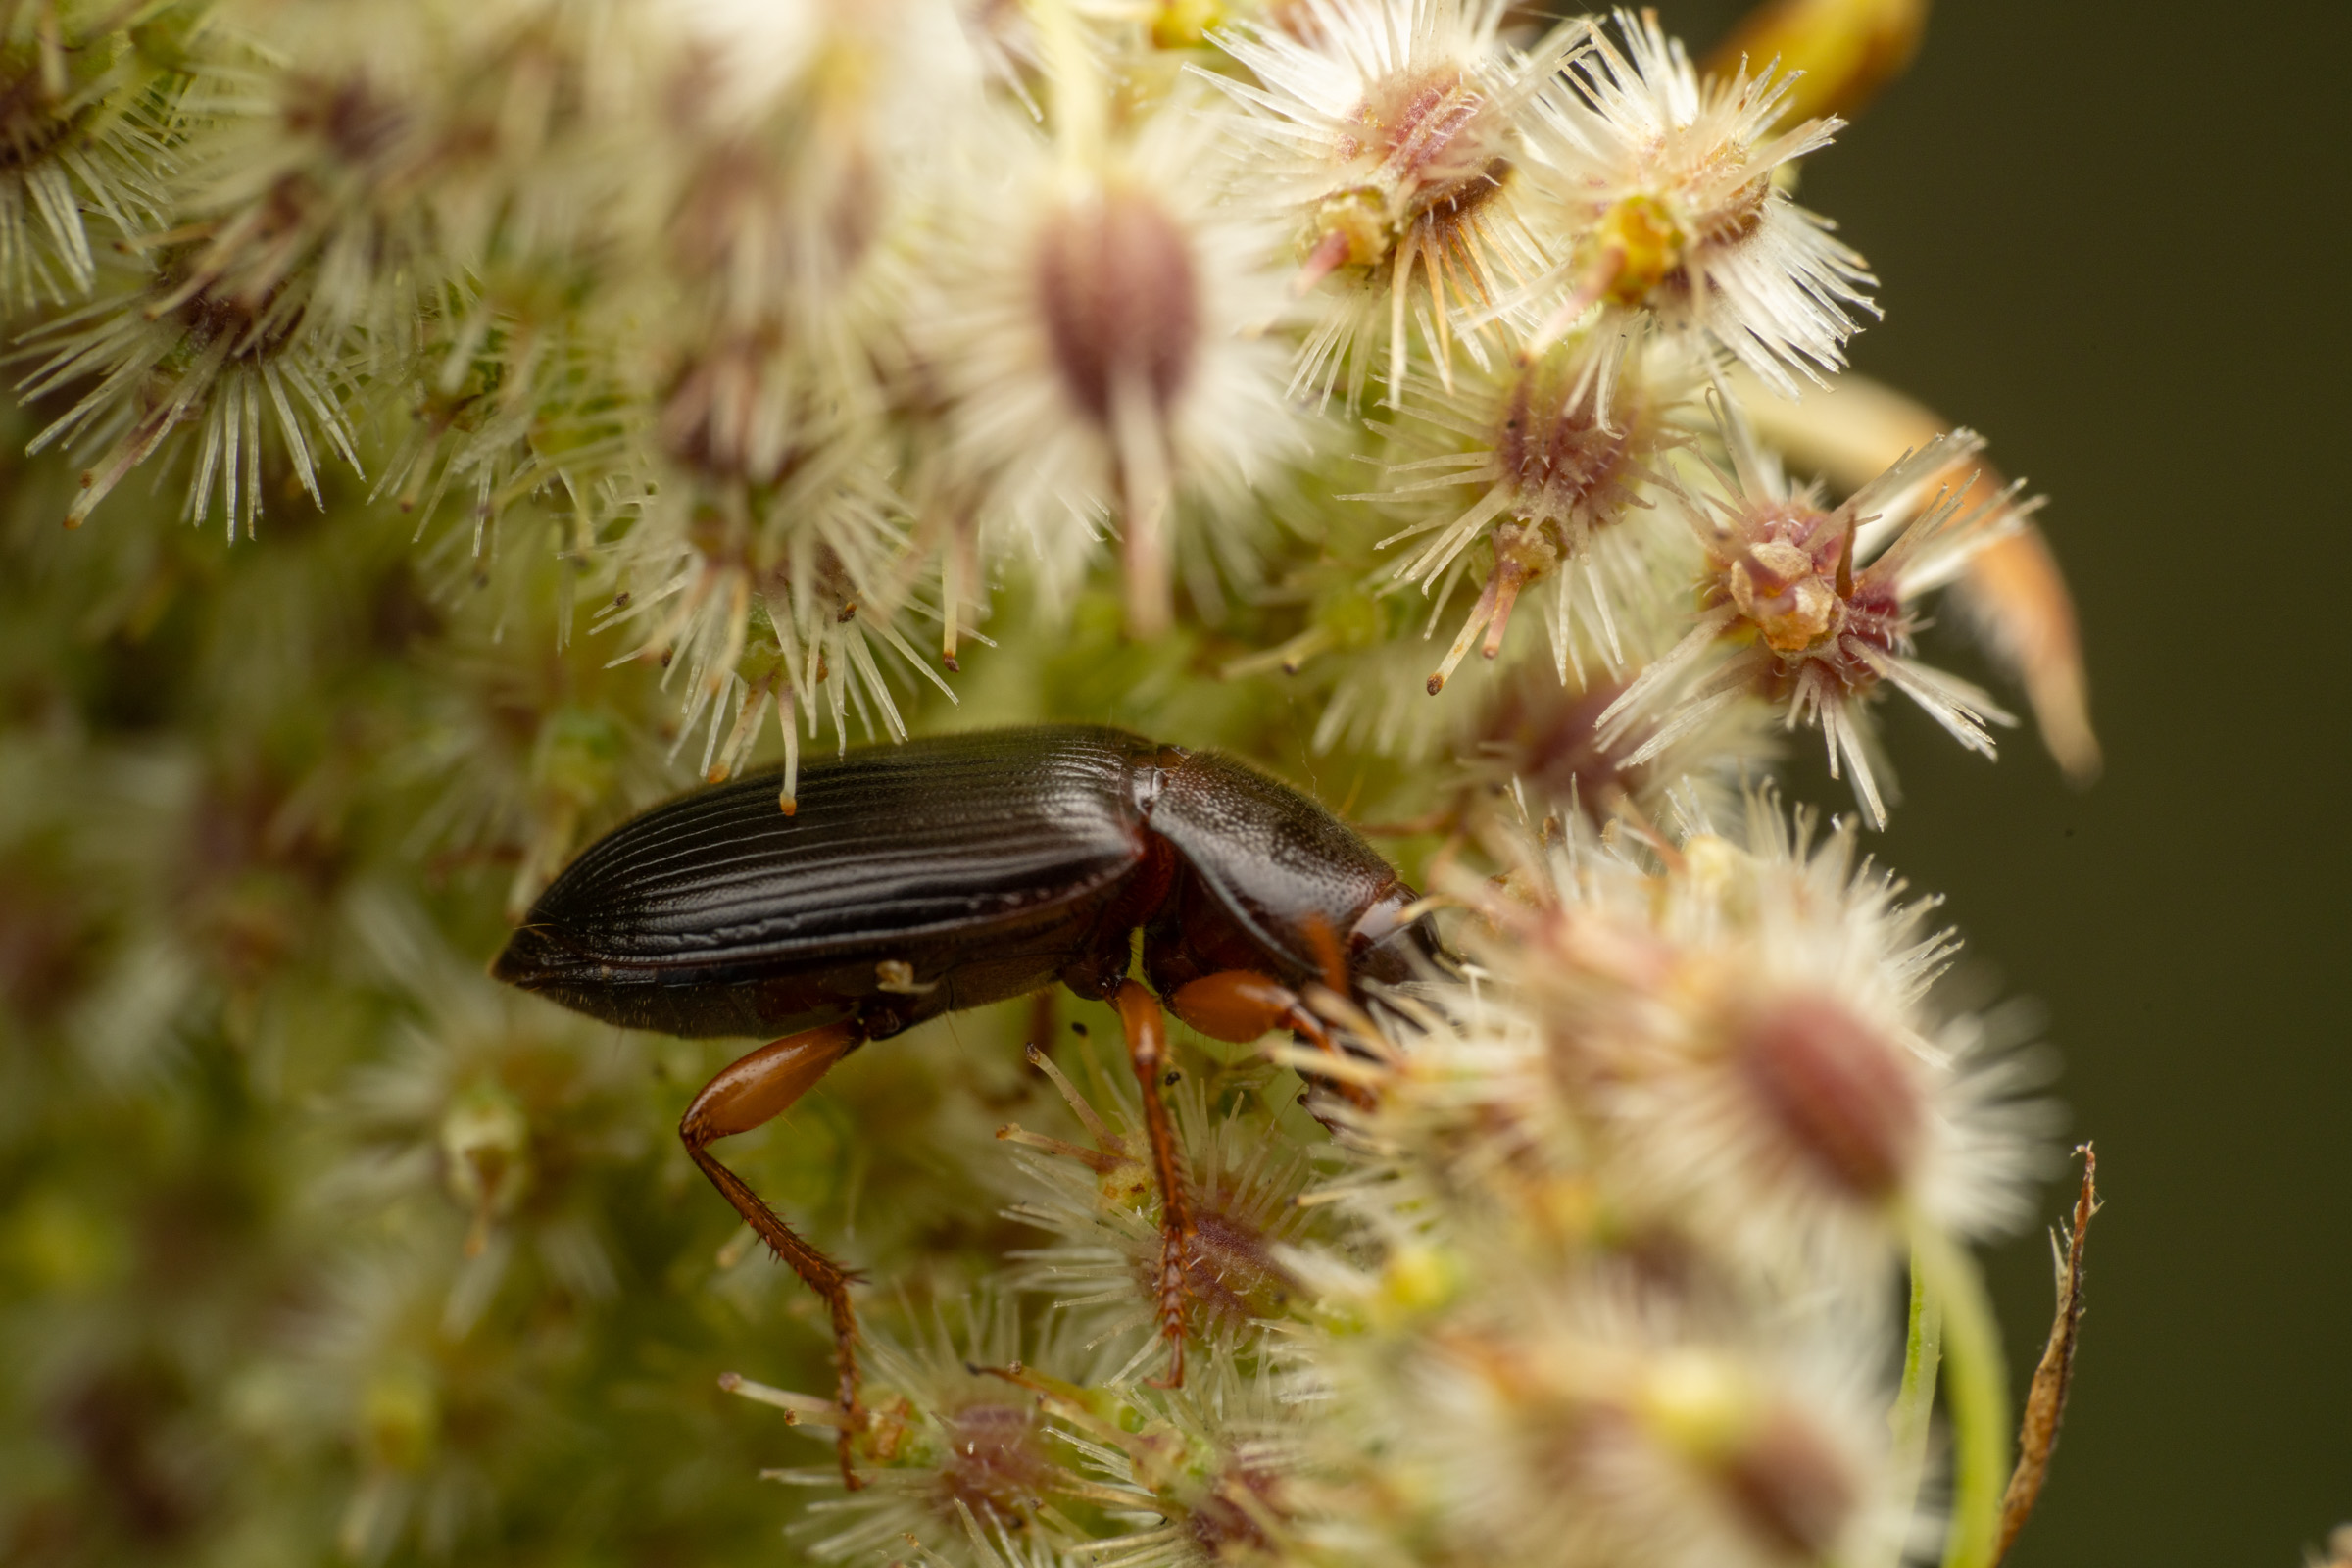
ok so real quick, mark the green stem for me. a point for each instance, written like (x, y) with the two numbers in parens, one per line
(1978, 1385)
(1915, 1402)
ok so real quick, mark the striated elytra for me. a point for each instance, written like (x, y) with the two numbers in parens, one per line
(990, 865)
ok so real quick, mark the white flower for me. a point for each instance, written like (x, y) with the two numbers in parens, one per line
(1750, 1040)
(1665, 188)
(1813, 609)
(1386, 135)
(947, 1441)
(1103, 1204)
(1565, 1424)
(1095, 329)
(784, 593)
(1564, 452)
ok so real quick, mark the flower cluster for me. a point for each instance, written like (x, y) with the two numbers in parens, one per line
(787, 328)
(1601, 1272)
(1445, 408)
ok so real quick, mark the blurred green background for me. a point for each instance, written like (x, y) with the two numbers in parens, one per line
(2101, 235)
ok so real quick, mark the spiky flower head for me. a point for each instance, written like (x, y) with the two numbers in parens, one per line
(185, 357)
(1748, 1036)
(952, 1435)
(1813, 609)
(1665, 188)
(78, 140)
(1100, 1202)
(1204, 1474)
(1096, 341)
(1575, 1423)
(1389, 137)
(1565, 454)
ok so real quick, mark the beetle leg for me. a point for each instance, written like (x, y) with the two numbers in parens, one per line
(1242, 1006)
(743, 1096)
(1146, 1031)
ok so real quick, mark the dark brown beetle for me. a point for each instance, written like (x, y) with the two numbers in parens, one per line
(919, 879)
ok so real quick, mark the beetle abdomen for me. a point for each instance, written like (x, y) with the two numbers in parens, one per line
(967, 837)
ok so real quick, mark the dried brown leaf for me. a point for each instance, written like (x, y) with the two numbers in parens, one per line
(2054, 1374)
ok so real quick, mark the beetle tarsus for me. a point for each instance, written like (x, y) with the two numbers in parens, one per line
(1147, 1029)
(747, 1094)
(1173, 1291)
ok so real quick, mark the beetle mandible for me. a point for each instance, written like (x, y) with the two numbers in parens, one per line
(936, 875)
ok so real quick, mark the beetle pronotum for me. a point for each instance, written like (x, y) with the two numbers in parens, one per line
(941, 875)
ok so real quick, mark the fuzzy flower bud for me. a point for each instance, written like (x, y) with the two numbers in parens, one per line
(1097, 313)
(1844, 1098)
(1115, 286)
(1747, 1039)
(1776, 1477)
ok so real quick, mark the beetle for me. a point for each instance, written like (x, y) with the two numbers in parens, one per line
(907, 881)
